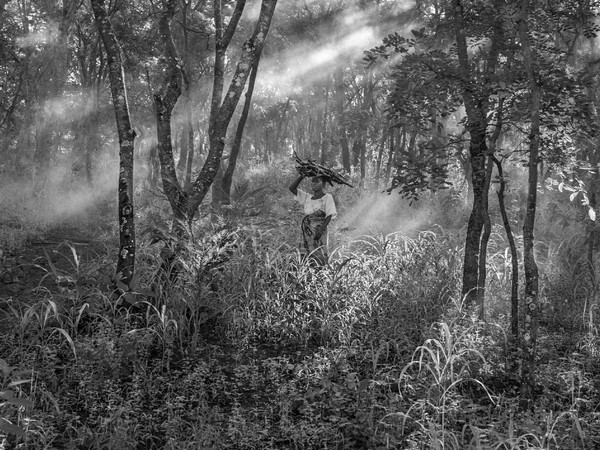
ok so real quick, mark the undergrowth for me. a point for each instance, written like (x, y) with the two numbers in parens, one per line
(240, 344)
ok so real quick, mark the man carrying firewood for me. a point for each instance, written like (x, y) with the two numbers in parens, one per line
(319, 209)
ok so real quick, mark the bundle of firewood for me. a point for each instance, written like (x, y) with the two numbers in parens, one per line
(309, 168)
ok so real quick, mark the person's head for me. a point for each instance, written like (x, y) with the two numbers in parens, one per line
(318, 183)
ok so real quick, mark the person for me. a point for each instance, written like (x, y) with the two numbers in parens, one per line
(319, 210)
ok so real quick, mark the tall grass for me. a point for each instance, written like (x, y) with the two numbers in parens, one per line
(250, 347)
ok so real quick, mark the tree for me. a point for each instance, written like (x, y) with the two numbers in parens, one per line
(185, 200)
(164, 102)
(239, 132)
(531, 269)
(430, 83)
(92, 72)
(126, 257)
(222, 108)
(54, 79)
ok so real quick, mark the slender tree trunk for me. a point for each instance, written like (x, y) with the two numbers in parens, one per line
(55, 73)
(514, 289)
(154, 165)
(126, 257)
(189, 130)
(237, 141)
(222, 108)
(43, 142)
(384, 137)
(8, 117)
(190, 163)
(592, 231)
(281, 122)
(189, 109)
(324, 135)
(338, 77)
(362, 154)
(485, 237)
(217, 190)
(514, 285)
(529, 263)
(392, 153)
(94, 137)
(476, 109)
(366, 108)
(164, 102)
(183, 150)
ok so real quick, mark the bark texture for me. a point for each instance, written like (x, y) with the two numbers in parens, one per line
(239, 133)
(222, 108)
(164, 102)
(528, 366)
(126, 257)
(338, 78)
(476, 102)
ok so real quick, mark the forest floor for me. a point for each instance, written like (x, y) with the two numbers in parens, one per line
(27, 270)
(252, 349)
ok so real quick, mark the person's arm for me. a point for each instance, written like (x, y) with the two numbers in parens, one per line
(294, 186)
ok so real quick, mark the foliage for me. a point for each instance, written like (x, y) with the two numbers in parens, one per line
(250, 347)
(239, 343)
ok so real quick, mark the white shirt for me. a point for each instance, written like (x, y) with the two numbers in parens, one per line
(325, 203)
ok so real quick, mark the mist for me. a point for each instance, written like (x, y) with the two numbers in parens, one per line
(377, 213)
(313, 56)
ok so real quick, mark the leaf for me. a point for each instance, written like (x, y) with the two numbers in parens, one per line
(364, 384)
(4, 367)
(592, 214)
(53, 268)
(12, 400)
(17, 383)
(9, 428)
(573, 195)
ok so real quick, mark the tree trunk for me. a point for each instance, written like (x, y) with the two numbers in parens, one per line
(529, 263)
(217, 190)
(366, 108)
(222, 111)
(280, 123)
(126, 257)
(189, 130)
(164, 102)
(188, 127)
(324, 135)
(476, 109)
(592, 227)
(55, 77)
(190, 163)
(338, 78)
(384, 136)
(392, 153)
(239, 133)
(485, 237)
(471, 281)
(514, 285)
(183, 149)
(153, 165)
(362, 154)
